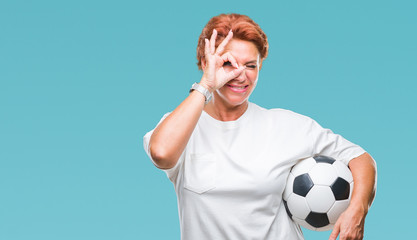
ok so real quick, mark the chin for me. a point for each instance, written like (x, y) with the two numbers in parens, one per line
(234, 101)
(237, 102)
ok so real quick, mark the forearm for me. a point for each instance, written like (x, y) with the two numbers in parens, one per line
(170, 138)
(363, 169)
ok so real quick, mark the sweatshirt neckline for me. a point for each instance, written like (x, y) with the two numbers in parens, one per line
(228, 124)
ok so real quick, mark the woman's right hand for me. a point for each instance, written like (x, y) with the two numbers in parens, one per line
(215, 75)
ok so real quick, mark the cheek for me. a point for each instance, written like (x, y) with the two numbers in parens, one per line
(252, 76)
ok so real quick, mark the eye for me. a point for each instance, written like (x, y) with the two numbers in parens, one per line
(227, 63)
(251, 66)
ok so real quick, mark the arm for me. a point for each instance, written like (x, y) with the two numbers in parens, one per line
(171, 136)
(350, 224)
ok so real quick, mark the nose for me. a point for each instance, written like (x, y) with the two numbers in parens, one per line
(242, 76)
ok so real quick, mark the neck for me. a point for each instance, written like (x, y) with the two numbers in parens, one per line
(225, 113)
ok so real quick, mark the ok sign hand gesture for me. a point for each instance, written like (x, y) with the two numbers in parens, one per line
(215, 76)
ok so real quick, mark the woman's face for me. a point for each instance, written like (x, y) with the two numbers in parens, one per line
(237, 91)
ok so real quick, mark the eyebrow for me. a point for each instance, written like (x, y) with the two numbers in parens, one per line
(253, 61)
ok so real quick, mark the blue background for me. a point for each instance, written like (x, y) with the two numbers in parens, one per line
(81, 82)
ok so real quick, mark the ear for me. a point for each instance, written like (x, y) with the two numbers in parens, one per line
(203, 63)
(260, 64)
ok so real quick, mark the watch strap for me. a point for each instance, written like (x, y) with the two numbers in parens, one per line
(207, 94)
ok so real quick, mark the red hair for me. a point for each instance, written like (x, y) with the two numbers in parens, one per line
(243, 27)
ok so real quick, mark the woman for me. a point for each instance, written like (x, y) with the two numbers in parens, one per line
(229, 158)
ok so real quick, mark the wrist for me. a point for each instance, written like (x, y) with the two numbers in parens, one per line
(206, 86)
(359, 208)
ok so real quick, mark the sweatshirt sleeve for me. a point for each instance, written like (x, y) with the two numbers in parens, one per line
(327, 143)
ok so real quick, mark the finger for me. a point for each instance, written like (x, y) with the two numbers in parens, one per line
(213, 41)
(335, 232)
(222, 45)
(235, 73)
(206, 47)
(228, 57)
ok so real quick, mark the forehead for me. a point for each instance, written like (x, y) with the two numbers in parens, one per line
(242, 50)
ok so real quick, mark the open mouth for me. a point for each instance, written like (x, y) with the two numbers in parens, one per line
(237, 88)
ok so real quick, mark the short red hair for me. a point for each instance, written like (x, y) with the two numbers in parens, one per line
(243, 27)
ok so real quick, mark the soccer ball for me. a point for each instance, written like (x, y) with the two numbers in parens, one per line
(318, 190)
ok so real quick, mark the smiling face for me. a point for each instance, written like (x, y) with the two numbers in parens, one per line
(237, 91)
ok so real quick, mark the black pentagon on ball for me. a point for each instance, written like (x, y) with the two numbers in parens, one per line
(317, 220)
(324, 159)
(340, 189)
(302, 184)
(287, 209)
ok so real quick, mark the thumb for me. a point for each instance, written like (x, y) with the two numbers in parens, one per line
(335, 232)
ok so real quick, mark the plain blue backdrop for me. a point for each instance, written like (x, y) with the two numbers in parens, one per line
(81, 82)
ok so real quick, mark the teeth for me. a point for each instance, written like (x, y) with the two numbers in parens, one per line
(238, 87)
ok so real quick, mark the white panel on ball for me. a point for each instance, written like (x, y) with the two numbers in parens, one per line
(298, 206)
(337, 208)
(288, 190)
(320, 199)
(343, 171)
(303, 167)
(316, 174)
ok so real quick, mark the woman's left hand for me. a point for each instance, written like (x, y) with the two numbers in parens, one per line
(350, 225)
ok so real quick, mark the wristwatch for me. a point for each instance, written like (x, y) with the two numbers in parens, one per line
(207, 94)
